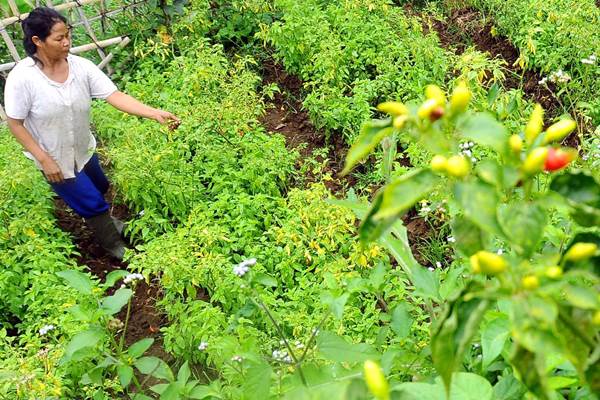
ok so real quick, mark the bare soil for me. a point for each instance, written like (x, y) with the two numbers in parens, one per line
(466, 26)
(145, 319)
(285, 115)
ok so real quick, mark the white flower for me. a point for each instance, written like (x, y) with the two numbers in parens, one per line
(45, 329)
(587, 61)
(203, 346)
(592, 58)
(438, 264)
(299, 344)
(500, 251)
(451, 239)
(473, 160)
(431, 269)
(243, 267)
(141, 213)
(238, 359)
(132, 278)
(240, 270)
(467, 153)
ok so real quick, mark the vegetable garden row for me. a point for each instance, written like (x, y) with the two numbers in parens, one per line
(274, 289)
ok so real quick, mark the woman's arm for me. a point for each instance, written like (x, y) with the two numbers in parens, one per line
(128, 104)
(49, 166)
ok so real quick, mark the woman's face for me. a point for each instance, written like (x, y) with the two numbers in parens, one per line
(57, 44)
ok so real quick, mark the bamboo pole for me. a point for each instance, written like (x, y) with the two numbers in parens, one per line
(11, 46)
(110, 56)
(78, 49)
(60, 7)
(13, 7)
(90, 32)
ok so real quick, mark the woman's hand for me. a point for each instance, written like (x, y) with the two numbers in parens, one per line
(51, 170)
(165, 117)
(130, 105)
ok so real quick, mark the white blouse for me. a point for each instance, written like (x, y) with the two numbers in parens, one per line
(58, 114)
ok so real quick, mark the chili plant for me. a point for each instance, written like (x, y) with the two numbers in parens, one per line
(542, 285)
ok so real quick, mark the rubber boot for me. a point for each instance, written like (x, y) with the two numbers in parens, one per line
(107, 234)
(119, 225)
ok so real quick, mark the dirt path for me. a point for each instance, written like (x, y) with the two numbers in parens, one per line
(284, 115)
(146, 319)
(466, 26)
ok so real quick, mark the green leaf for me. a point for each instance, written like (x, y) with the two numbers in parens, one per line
(579, 187)
(184, 373)
(257, 382)
(402, 193)
(112, 304)
(425, 282)
(77, 280)
(265, 280)
(336, 303)
(479, 201)
(201, 392)
(465, 386)
(469, 238)
(113, 276)
(452, 333)
(125, 373)
(371, 133)
(523, 224)
(530, 371)
(154, 366)
(503, 177)
(484, 129)
(509, 388)
(159, 388)
(582, 297)
(335, 348)
(82, 340)
(139, 347)
(494, 334)
(401, 321)
(370, 229)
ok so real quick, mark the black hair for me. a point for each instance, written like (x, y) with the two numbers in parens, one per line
(39, 23)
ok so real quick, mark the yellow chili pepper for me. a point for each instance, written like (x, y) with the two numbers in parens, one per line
(458, 166)
(581, 251)
(535, 124)
(534, 162)
(399, 121)
(559, 130)
(393, 108)
(491, 263)
(516, 143)
(530, 282)
(376, 381)
(434, 92)
(553, 272)
(427, 108)
(439, 163)
(460, 97)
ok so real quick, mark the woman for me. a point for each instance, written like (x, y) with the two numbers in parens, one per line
(47, 99)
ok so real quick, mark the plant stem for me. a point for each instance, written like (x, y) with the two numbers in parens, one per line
(314, 335)
(281, 334)
(122, 341)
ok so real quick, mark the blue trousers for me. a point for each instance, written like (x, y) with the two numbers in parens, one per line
(85, 193)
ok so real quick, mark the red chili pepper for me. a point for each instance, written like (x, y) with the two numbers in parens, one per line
(556, 159)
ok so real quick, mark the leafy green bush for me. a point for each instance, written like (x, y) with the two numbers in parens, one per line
(552, 36)
(352, 55)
